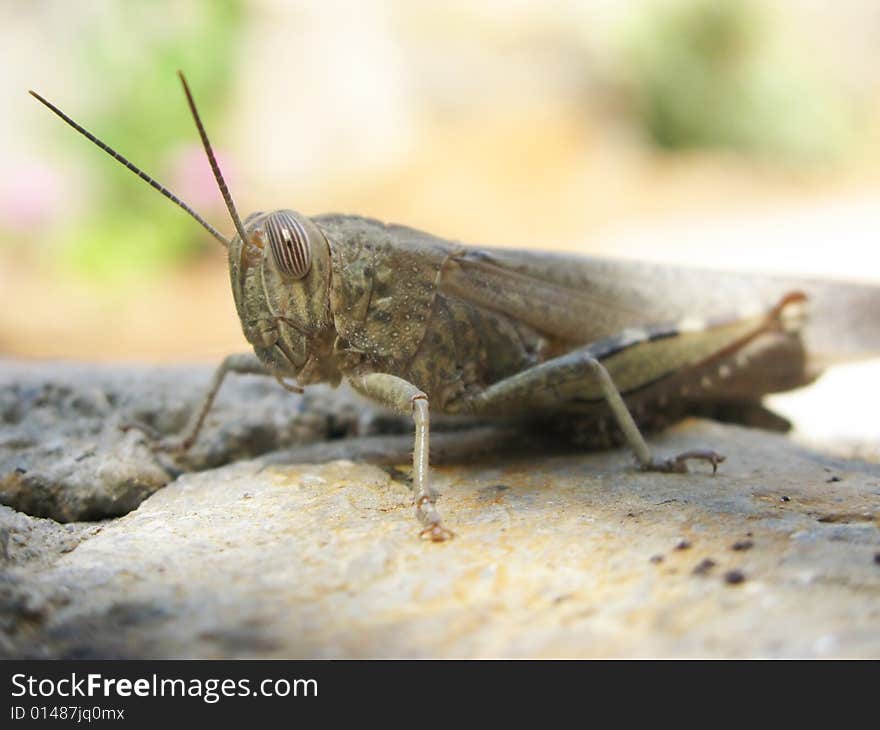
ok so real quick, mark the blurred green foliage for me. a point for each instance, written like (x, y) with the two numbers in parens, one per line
(140, 110)
(716, 73)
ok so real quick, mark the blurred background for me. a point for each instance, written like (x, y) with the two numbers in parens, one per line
(727, 133)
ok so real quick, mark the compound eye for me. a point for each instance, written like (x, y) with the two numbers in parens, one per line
(289, 244)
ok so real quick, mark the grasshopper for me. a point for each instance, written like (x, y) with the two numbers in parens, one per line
(413, 322)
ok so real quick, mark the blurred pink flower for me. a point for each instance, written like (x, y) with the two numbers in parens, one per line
(30, 196)
(192, 180)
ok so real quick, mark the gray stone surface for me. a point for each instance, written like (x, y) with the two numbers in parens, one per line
(554, 555)
(63, 453)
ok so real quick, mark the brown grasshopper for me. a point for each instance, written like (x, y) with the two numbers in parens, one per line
(409, 319)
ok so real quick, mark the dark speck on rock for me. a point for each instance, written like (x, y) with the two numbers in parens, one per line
(656, 559)
(742, 545)
(832, 479)
(704, 566)
(785, 499)
(682, 544)
(734, 577)
(877, 558)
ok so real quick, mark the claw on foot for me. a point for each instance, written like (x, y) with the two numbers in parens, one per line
(157, 442)
(678, 464)
(151, 433)
(172, 445)
(436, 533)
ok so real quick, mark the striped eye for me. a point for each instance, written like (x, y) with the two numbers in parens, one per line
(289, 244)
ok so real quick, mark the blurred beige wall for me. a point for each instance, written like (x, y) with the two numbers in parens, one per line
(489, 122)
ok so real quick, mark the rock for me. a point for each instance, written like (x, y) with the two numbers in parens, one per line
(35, 543)
(571, 555)
(63, 453)
(28, 545)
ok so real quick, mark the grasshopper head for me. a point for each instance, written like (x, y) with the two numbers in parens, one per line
(280, 278)
(280, 268)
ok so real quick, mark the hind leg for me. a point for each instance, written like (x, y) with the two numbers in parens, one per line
(580, 372)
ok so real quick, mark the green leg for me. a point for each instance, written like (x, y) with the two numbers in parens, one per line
(405, 398)
(571, 373)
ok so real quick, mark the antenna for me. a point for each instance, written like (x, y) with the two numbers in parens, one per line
(140, 173)
(221, 183)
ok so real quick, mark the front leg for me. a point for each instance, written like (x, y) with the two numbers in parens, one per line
(404, 397)
(243, 363)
